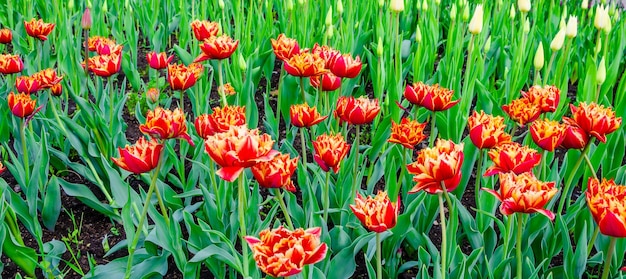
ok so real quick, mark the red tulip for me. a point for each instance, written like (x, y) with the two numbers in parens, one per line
(595, 120)
(105, 65)
(304, 116)
(158, 60)
(345, 66)
(436, 165)
(512, 157)
(26, 84)
(2, 168)
(547, 134)
(522, 111)
(21, 105)
(227, 88)
(141, 157)
(330, 82)
(356, 111)
(5, 36)
(327, 54)
(47, 78)
(377, 214)
(166, 124)
(56, 90)
(276, 173)
(93, 43)
(305, 64)
(433, 98)
(487, 131)
(204, 29)
(523, 193)
(217, 47)
(547, 98)
(220, 120)
(408, 133)
(606, 203)
(329, 151)
(38, 29)
(575, 137)
(284, 48)
(10, 64)
(181, 77)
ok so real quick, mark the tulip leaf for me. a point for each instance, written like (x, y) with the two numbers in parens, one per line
(51, 204)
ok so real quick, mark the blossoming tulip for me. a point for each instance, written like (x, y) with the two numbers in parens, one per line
(5, 36)
(575, 137)
(547, 98)
(21, 105)
(47, 78)
(227, 88)
(327, 53)
(407, 133)
(96, 41)
(330, 82)
(356, 111)
(522, 111)
(26, 84)
(329, 151)
(305, 64)
(284, 47)
(166, 124)
(431, 97)
(606, 202)
(512, 157)
(487, 131)
(345, 66)
(217, 47)
(158, 60)
(523, 193)
(595, 120)
(220, 120)
(276, 173)
(181, 77)
(377, 214)
(304, 116)
(204, 29)
(56, 89)
(141, 157)
(10, 64)
(38, 29)
(547, 134)
(437, 165)
(105, 65)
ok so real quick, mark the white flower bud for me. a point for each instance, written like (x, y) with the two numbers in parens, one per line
(329, 17)
(397, 5)
(526, 26)
(572, 27)
(538, 61)
(379, 47)
(601, 73)
(476, 24)
(557, 42)
(339, 7)
(453, 12)
(584, 5)
(512, 12)
(466, 13)
(418, 35)
(523, 5)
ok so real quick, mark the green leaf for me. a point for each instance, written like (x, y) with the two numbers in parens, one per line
(51, 204)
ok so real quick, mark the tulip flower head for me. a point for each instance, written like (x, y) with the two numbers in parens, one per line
(606, 202)
(305, 64)
(302, 115)
(220, 120)
(575, 137)
(397, 6)
(283, 253)
(512, 157)
(96, 42)
(153, 95)
(548, 134)
(227, 89)
(238, 148)
(407, 133)
(523, 193)
(330, 149)
(595, 120)
(276, 173)
(204, 29)
(487, 131)
(377, 214)
(2, 168)
(538, 60)
(547, 98)
(523, 5)
(437, 165)
(166, 124)
(5, 36)
(330, 82)
(27, 84)
(181, 77)
(47, 78)
(284, 47)
(158, 60)
(476, 24)
(105, 65)
(431, 97)
(217, 47)
(85, 20)
(344, 66)
(356, 111)
(141, 157)
(56, 90)
(10, 64)
(522, 111)
(21, 105)
(38, 29)
(571, 29)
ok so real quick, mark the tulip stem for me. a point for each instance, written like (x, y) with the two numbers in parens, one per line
(220, 88)
(355, 183)
(519, 245)
(593, 172)
(111, 106)
(215, 189)
(478, 177)
(25, 153)
(278, 113)
(565, 193)
(509, 227)
(564, 58)
(86, 54)
(433, 129)
(302, 90)
(592, 240)
(444, 248)
(547, 75)
(303, 147)
(379, 259)
(283, 207)
(242, 203)
(326, 196)
(162, 205)
(142, 219)
(542, 165)
(607, 260)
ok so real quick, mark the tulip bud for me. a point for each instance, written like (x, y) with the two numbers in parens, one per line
(612, 9)
(476, 24)
(607, 25)
(220, 3)
(152, 95)
(466, 13)
(381, 4)
(85, 21)
(538, 61)
(379, 47)
(329, 17)
(453, 12)
(488, 44)
(339, 7)
(584, 5)
(557, 42)
(526, 26)
(330, 31)
(396, 5)
(70, 5)
(300, 2)
(289, 5)
(425, 5)
(512, 12)
(105, 8)
(523, 5)
(562, 23)
(600, 19)
(572, 27)
(418, 35)
(598, 46)
(601, 73)
(242, 62)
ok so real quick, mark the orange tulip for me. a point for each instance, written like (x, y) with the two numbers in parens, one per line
(105, 65)
(47, 78)
(305, 64)
(441, 163)
(93, 43)
(282, 253)
(158, 60)
(408, 133)
(217, 47)
(284, 47)
(204, 29)
(548, 134)
(238, 148)
(10, 64)
(523, 193)
(356, 111)
(595, 120)
(21, 105)
(38, 29)
(56, 90)
(182, 77)
(5, 36)
(606, 203)
(377, 214)
(487, 131)
(512, 157)
(547, 98)
(304, 116)
(327, 53)
(345, 66)
(330, 82)
(166, 124)
(141, 157)
(575, 137)
(329, 151)
(220, 120)
(433, 98)
(522, 111)
(228, 89)
(276, 173)
(26, 84)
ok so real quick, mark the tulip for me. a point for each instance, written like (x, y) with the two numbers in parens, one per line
(329, 17)
(204, 29)
(571, 28)
(559, 39)
(377, 214)
(397, 6)
(5, 36)
(27, 84)
(356, 111)
(182, 77)
(93, 43)
(227, 89)
(47, 78)
(512, 12)
(141, 157)
(512, 157)
(436, 167)
(584, 4)
(575, 137)
(330, 82)
(158, 60)
(601, 72)
(153, 95)
(85, 20)
(56, 90)
(344, 66)
(330, 149)
(548, 134)
(523, 5)
(304, 116)
(283, 253)
(105, 65)
(606, 202)
(21, 105)
(476, 24)
(431, 97)
(2, 168)
(284, 47)
(523, 193)
(522, 111)
(220, 120)
(539, 57)
(38, 29)
(305, 64)
(547, 98)
(276, 173)
(601, 18)
(10, 64)
(595, 120)
(217, 47)
(487, 131)
(327, 53)
(238, 148)
(166, 124)
(407, 133)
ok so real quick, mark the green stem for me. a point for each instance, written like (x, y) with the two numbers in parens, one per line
(592, 240)
(303, 147)
(242, 225)
(326, 196)
(542, 165)
(302, 89)
(379, 259)
(519, 246)
(444, 248)
(278, 113)
(86, 53)
(25, 152)
(220, 87)
(509, 227)
(466, 79)
(355, 181)
(162, 205)
(283, 207)
(559, 70)
(607, 260)
(433, 129)
(547, 75)
(215, 189)
(593, 172)
(570, 178)
(111, 106)
(478, 177)
(142, 219)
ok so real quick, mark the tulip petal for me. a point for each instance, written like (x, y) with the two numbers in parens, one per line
(229, 173)
(612, 225)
